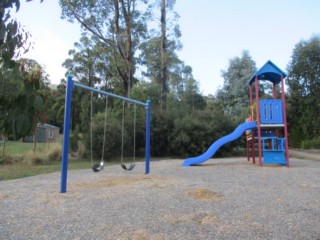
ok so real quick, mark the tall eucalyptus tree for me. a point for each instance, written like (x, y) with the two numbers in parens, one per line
(118, 24)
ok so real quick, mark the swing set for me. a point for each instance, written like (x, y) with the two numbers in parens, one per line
(99, 166)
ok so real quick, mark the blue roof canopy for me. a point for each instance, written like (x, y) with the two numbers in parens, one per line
(269, 72)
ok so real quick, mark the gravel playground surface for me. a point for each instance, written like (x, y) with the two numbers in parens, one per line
(222, 199)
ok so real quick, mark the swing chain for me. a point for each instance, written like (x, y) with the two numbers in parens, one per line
(132, 165)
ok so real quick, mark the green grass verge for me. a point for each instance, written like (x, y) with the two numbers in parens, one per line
(13, 148)
(22, 169)
(19, 167)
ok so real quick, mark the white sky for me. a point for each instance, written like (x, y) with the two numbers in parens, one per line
(213, 32)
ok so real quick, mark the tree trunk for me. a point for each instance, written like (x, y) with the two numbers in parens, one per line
(163, 73)
(125, 50)
(34, 140)
(4, 146)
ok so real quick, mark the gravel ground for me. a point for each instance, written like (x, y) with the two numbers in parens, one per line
(222, 199)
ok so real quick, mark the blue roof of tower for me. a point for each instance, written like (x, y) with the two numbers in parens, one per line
(268, 72)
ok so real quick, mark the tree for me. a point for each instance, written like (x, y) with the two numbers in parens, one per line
(89, 63)
(13, 38)
(234, 95)
(304, 90)
(23, 99)
(158, 52)
(163, 71)
(35, 96)
(55, 106)
(118, 25)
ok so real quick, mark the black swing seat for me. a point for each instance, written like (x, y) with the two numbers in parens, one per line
(97, 167)
(132, 165)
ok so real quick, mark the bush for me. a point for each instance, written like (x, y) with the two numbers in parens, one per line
(54, 152)
(50, 152)
(312, 143)
(6, 159)
(74, 138)
(193, 134)
(82, 150)
(161, 130)
(295, 137)
(112, 137)
(38, 158)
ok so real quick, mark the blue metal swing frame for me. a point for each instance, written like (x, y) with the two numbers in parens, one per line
(66, 127)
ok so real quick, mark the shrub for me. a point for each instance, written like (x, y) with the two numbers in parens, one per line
(74, 138)
(38, 158)
(295, 137)
(194, 133)
(112, 137)
(6, 159)
(54, 152)
(50, 152)
(82, 150)
(161, 130)
(311, 143)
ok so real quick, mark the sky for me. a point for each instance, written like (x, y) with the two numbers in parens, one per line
(213, 33)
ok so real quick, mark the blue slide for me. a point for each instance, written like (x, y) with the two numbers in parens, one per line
(219, 143)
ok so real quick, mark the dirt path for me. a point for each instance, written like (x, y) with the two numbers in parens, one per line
(313, 154)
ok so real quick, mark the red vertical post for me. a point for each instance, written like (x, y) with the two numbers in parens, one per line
(252, 149)
(248, 148)
(285, 121)
(258, 120)
(274, 89)
(247, 138)
(250, 92)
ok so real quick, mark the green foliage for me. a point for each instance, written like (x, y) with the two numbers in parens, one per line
(55, 106)
(183, 131)
(74, 138)
(311, 143)
(13, 38)
(162, 127)
(117, 27)
(234, 95)
(304, 89)
(113, 135)
(23, 100)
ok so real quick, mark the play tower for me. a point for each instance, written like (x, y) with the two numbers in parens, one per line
(266, 128)
(270, 134)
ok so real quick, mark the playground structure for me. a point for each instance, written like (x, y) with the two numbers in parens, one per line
(266, 127)
(66, 129)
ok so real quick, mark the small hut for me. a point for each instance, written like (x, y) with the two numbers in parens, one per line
(45, 133)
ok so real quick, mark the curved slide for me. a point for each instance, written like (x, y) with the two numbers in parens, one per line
(219, 143)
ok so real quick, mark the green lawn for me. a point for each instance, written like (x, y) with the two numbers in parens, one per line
(25, 169)
(18, 148)
(21, 169)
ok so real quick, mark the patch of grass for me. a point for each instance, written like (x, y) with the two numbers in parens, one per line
(15, 148)
(20, 161)
(25, 169)
(22, 169)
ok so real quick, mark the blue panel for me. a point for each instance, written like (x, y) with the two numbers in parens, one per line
(274, 157)
(273, 150)
(271, 112)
